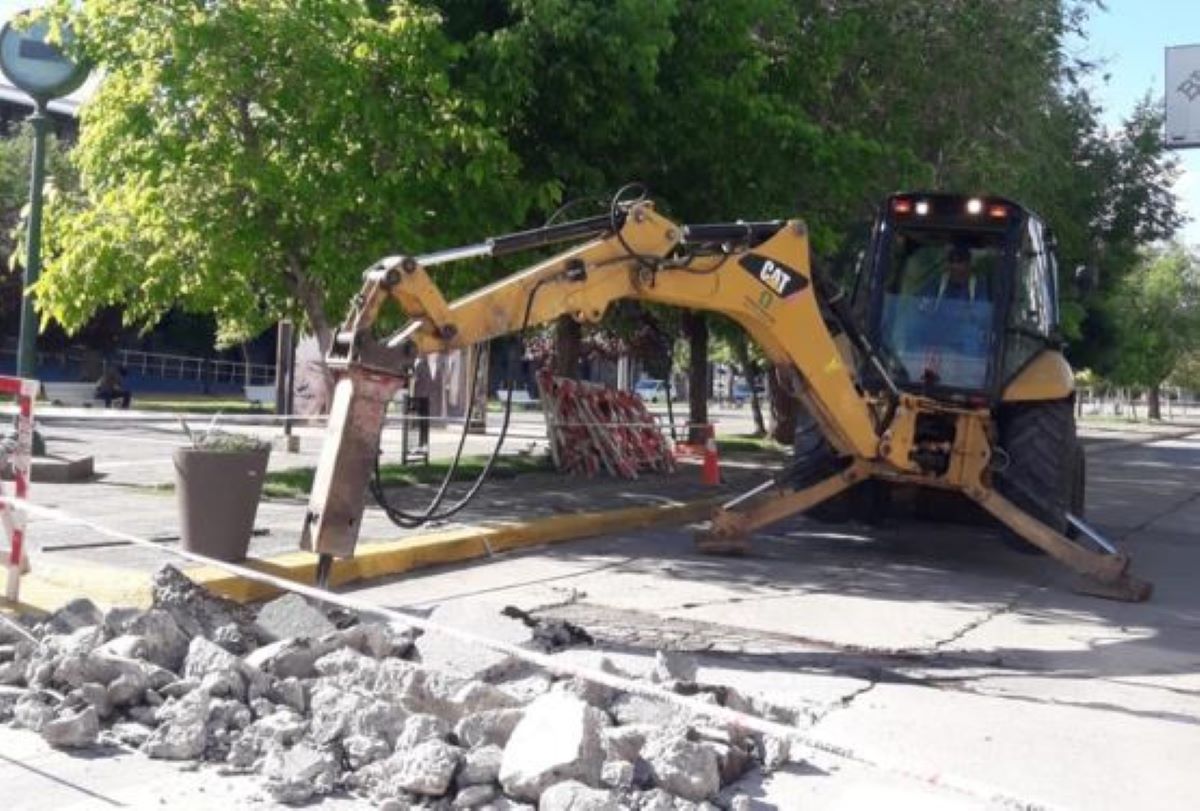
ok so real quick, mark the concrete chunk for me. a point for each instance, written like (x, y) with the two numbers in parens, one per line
(73, 729)
(196, 611)
(332, 711)
(557, 739)
(379, 640)
(288, 658)
(182, 733)
(572, 795)
(78, 613)
(419, 728)
(686, 769)
(362, 749)
(131, 733)
(166, 643)
(34, 710)
(474, 796)
(380, 719)
(295, 775)
(426, 769)
(480, 765)
(617, 774)
(672, 666)
(96, 696)
(487, 727)
(291, 616)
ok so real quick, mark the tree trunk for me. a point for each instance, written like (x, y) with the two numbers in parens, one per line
(783, 412)
(312, 299)
(695, 327)
(1154, 403)
(568, 338)
(750, 371)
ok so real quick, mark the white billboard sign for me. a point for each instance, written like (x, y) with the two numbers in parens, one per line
(1183, 96)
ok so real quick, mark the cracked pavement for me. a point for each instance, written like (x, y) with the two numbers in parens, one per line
(924, 649)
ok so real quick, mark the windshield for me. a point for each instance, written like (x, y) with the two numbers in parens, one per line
(938, 304)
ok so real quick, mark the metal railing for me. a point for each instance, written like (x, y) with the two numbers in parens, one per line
(185, 367)
(167, 366)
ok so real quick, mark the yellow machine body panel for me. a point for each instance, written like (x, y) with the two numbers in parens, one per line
(1047, 377)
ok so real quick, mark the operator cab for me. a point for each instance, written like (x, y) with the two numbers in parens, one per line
(957, 292)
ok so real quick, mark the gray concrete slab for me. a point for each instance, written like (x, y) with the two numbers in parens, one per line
(930, 649)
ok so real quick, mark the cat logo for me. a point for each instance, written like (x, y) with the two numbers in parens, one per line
(780, 279)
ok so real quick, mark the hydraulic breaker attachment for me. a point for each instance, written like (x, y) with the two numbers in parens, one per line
(360, 402)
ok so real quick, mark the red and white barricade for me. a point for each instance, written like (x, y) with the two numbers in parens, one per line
(17, 460)
(592, 427)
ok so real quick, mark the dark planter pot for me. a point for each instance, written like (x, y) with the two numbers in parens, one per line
(218, 494)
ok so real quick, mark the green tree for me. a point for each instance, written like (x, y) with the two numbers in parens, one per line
(250, 158)
(1157, 313)
(16, 153)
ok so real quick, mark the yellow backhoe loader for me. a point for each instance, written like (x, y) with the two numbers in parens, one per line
(941, 369)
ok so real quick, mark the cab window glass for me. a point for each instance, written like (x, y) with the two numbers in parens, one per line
(1029, 317)
(937, 305)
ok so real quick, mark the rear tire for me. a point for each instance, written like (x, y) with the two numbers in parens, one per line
(1045, 464)
(813, 461)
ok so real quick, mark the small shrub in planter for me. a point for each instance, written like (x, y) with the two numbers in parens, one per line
(218, 482)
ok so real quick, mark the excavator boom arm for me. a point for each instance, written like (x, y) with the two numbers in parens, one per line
(761, 280)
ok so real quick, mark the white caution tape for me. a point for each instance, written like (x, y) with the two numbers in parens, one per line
(733, 718)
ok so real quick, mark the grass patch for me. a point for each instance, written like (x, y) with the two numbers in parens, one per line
(297, 482)
(198, 405)
(747, 443)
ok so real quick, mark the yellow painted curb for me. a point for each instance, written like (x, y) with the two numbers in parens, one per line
(51, 585)
(377, 560)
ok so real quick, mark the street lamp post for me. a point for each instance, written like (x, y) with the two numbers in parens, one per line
(27, 342)
(40, 68)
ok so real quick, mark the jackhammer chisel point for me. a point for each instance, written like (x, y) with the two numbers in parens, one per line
(324, 566)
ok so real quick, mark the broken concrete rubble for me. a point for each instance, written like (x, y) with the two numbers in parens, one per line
(346, 706)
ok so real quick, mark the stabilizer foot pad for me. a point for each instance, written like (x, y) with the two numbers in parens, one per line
(710, 543)
(1126, 589)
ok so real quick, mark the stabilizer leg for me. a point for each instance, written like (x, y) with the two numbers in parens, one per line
(729, 532)
(1103, 574)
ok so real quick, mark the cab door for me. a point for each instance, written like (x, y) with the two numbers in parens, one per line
(1033, 310)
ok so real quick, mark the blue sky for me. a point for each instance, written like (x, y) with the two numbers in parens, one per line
(1130, 37)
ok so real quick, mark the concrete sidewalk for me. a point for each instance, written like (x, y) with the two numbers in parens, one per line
(133, 462)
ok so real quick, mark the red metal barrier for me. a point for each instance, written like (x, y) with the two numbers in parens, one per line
(20, 461)
(592, 427)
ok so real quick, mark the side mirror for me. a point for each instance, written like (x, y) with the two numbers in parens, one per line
(1087, 279)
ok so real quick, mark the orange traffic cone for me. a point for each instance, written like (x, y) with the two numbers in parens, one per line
(710, 471)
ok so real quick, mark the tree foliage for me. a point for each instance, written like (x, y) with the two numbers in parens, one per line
(16, 154)
(250, 158)
(1156, 310)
